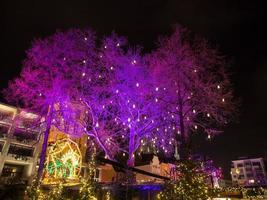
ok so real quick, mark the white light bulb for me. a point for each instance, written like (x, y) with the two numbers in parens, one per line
(157, 89)
(218, 86)
(137, 84)
(208, 115)
(83, 74)
(97, 125)
(85, 38)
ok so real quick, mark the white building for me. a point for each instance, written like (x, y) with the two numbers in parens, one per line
(19, 146)
(249, 172)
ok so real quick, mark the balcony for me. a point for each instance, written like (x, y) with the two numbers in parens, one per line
(3, 130)
(20, 153)
(24, 136)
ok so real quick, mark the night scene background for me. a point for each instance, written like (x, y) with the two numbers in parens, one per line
(237, 28)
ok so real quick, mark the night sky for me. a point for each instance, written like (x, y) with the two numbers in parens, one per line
(237, 27)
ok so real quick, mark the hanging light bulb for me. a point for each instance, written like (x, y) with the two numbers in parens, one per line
(157, 89)
(218, 87)
(208, 115)
(137, 84)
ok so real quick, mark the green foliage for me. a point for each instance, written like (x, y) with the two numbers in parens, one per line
(89, 187)
(190, 185)
(33, 192)
(56, 193)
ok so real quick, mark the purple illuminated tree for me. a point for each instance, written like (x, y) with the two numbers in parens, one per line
(193, 85)
(47, 84)
(135, 111)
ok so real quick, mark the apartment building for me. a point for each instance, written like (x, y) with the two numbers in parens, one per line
(19, 147)
(249, 172)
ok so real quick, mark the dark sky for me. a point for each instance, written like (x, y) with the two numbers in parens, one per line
(238, 27)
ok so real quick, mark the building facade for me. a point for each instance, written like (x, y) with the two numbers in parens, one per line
(19, 146)
(249, 172)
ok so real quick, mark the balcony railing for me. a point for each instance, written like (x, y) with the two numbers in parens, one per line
(24, 136)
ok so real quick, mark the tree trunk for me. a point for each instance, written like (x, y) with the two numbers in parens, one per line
(131, 159)
(44, 148)
(183, 150)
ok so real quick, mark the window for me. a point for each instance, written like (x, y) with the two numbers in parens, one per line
(240, 165)
(256, 164)
(241, 176)
(10, 170)
(1, 146)
(3, 130)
